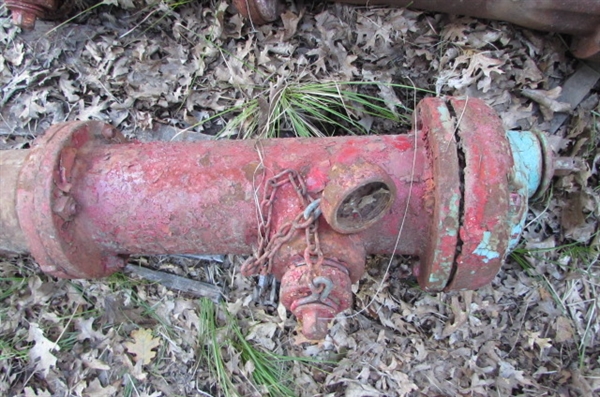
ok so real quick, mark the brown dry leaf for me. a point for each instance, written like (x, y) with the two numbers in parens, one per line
(142, 346)
(41, 352)
(548, 100)
(404, 384)
(262, 333)
(87, 330)
(479, 71)
(290, 23)
(95, 389)
(564, 331)
(356, 389)
(542, 343)
(460, 318)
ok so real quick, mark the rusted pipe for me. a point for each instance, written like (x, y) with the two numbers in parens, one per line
(579, 18)
(85, 200)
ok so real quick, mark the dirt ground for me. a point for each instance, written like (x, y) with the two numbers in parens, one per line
(154, 71)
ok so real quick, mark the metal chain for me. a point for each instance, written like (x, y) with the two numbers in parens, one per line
(262, 261)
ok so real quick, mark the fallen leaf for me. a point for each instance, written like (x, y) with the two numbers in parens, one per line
(356, 389)
(548, 100)
(542, 343)
(87, 330)
(41, 352)
(142, 346)
(29, 392)
(290, 23)
(95, 389)
(564, 331)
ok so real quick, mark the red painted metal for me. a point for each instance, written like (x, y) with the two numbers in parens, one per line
(12, 238)
(484, 232)
(357, 196)
(438, 257)
(85, 200)
(25, 12)
(315, 315)
(165, 197)
(259, 11)
(47, 209)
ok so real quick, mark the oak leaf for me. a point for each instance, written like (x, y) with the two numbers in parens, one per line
(142, 346)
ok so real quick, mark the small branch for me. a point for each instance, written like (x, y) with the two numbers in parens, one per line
(178, 283)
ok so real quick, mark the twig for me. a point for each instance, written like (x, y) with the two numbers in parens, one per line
(178, 283)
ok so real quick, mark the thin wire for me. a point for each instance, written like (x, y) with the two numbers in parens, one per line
(400, 230)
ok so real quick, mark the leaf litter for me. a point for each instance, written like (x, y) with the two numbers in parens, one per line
(533, 331)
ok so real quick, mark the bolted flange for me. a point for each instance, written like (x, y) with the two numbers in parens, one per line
(46, 209)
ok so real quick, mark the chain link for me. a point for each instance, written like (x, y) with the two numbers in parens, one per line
(262, 260)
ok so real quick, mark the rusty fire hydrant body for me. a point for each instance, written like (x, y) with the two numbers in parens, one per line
(82, 200)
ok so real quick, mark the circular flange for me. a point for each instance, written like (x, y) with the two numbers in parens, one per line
(486, 222)
(435, 121)
(48, 213)
(548, 166)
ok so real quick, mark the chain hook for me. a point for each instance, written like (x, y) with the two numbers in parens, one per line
(327, 287)
(313, 209)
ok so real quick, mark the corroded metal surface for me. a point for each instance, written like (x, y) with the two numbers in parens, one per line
(25, 12)
(357, 196)
(12, 239)
(200, 197)
(47, 208)
(485, 229)
(85, 200)
(259, 11)
(313, 308)
(437, 261)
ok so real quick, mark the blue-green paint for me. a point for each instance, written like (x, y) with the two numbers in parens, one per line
(528, 158)
(528, 167)
(515, 234)
(485, 249)
(446, 119)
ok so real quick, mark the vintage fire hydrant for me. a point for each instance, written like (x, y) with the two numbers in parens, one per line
(452, 192)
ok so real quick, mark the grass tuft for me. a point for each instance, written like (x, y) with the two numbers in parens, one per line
(314, 110)
(269, 372)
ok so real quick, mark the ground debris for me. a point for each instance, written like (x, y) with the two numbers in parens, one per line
(165, 69)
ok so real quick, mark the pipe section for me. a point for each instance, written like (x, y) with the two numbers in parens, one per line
(82, 200)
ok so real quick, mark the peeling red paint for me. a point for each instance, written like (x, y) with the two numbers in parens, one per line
(85, 201)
